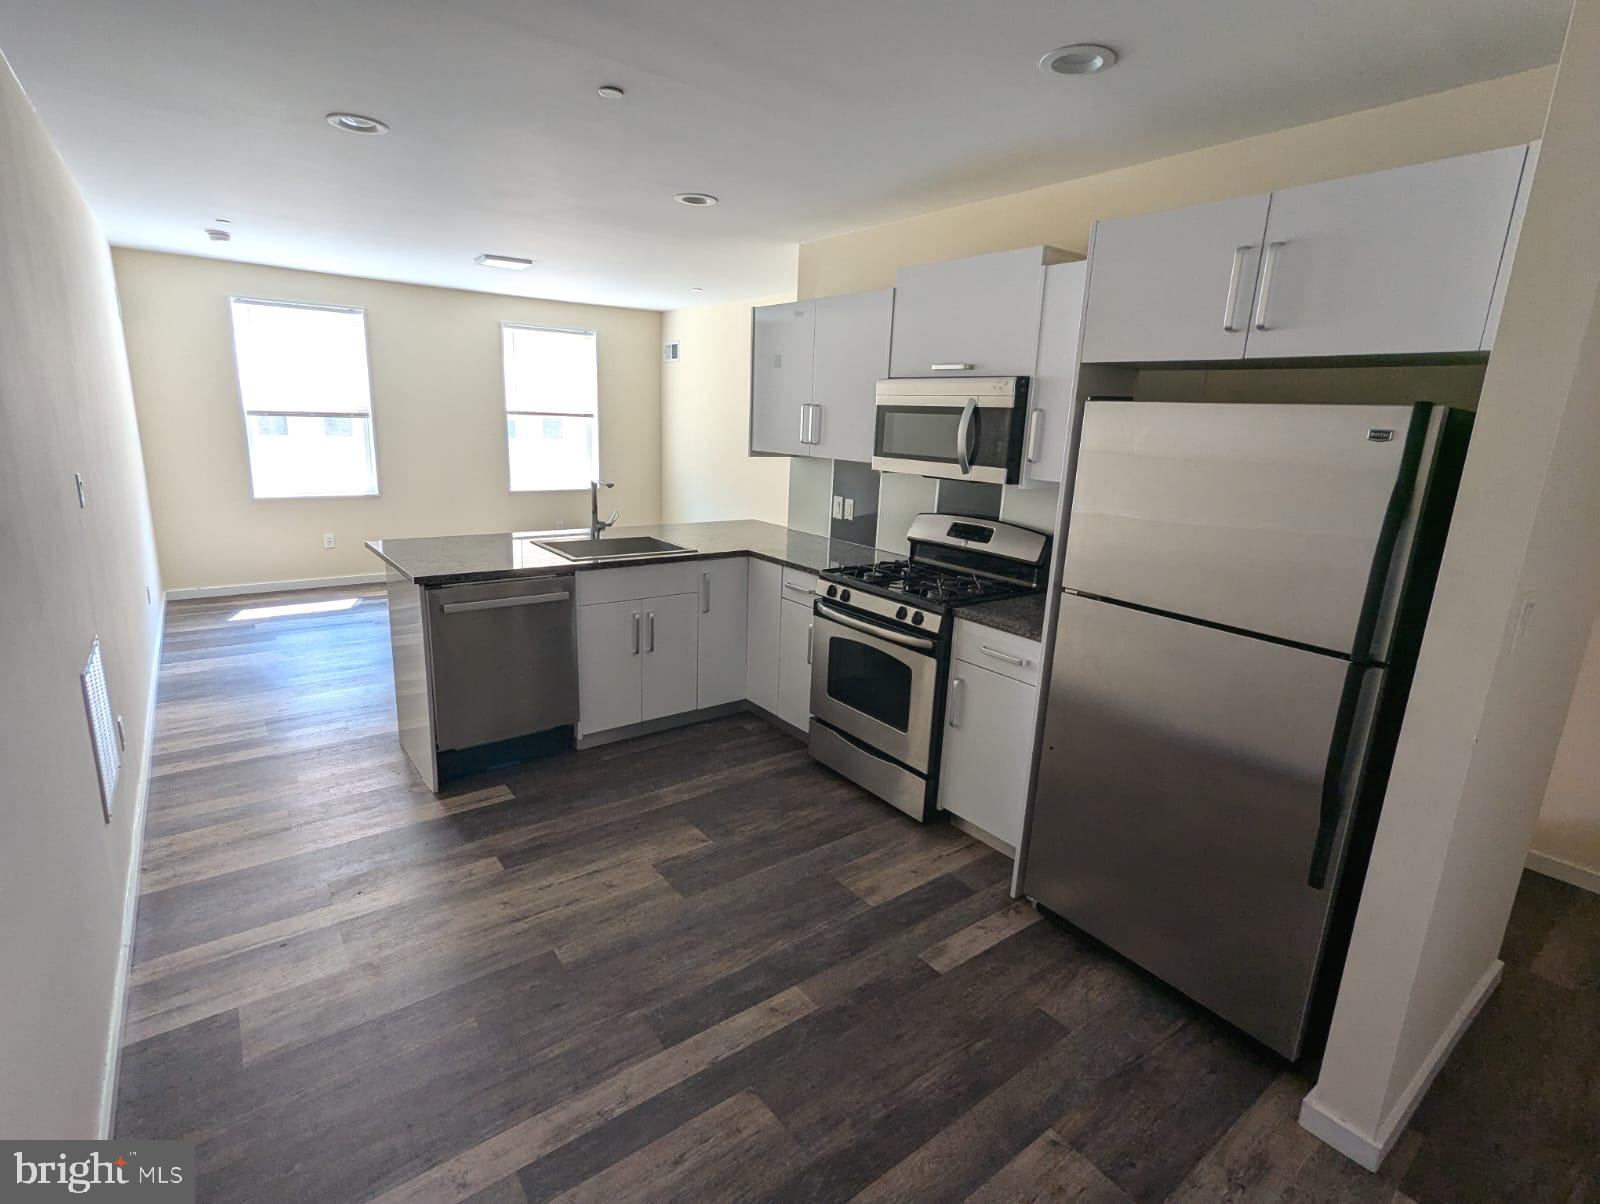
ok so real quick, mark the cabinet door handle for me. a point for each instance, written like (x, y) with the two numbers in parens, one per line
(811, 640)
(705, 593)
(636, 633)
(816, 423)
(1018, 661)
(964, 436)
(650, 631)
(1232, 303)
(950, 367)
(953, 709)
(1031, 438)
(805, 424)
(798, 589)
(1268, 267)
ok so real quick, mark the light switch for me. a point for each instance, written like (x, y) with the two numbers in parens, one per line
(838, 506)
(849, 508)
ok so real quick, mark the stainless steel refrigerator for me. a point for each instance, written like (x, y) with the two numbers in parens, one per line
(1244, 590)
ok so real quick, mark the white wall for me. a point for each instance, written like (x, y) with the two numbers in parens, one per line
(1566, 841)
(706, 472)
(438, 409)
(66, 575)
(1512, 613)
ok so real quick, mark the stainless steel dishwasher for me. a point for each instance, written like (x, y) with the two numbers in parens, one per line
(504, 662)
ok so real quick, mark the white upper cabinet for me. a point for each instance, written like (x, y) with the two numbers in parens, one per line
(1512, 238)
(851, 357)
(1400, 262)
(1176, 285)
(1044, 449)
(724, 601)
(970, 317)
(782, 340)
(1390, 263)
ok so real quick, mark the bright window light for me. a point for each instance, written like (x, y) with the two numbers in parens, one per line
(552, 394)
(291, 608)
(307, 398)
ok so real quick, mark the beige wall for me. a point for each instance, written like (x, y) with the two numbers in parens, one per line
(706, 472)
(438, 405)
(1513, 610)
(1477, 117)
(66, 575)
(1566, 841)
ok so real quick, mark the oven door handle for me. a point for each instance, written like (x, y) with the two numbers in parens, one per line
(893, 637)
(964, 437)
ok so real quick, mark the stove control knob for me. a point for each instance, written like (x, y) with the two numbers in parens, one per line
(916, 619)
(833, 591)
(844, 595)
(901, 613)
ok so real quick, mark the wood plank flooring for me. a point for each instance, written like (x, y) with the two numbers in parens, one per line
(698, 966)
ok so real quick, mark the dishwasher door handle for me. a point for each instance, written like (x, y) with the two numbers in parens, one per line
(455, 608)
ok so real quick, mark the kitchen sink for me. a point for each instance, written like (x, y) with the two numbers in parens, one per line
(622, 547)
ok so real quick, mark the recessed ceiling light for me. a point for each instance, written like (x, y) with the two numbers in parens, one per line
(216, 235)
(1081, 58)
(698, 199)
(697, 289)
(611, 91)
(509, 262)
(355, 123)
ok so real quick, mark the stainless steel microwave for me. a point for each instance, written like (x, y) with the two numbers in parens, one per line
(966, 428)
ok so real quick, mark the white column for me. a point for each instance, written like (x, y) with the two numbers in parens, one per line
(1504, 641)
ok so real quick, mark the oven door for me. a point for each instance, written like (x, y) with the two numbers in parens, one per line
(971, 434)
(878, 685)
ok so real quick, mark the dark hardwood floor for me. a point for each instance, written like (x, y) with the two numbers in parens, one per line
(697, 966)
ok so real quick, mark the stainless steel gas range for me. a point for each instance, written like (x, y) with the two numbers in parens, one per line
(881, 649)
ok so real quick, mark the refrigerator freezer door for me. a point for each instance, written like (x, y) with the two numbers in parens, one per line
(1276, 519)
(1187, 801)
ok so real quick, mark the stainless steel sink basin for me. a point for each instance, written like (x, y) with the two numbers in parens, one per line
(621, 547)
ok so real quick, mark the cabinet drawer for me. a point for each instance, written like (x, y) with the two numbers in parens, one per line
(638, 581)
(798, 585)
(1000, 651)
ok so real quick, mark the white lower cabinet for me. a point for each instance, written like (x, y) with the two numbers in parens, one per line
(722, 605)
(763, 609)
(637, 660)
(794, 664)
(988, 749)
(610, 665)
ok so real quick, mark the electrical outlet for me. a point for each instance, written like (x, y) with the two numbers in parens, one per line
(327, 539)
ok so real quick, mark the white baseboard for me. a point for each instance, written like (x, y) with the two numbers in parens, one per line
(1368, 1150)
(1564, 871)
(272, 587)
(130, 900)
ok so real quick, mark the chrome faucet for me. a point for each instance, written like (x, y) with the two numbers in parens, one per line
(595, 525)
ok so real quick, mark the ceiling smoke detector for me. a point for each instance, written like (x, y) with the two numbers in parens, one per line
(355, 123)
(216, 235)
(1081, 58)
(509, 262)
(700, 200)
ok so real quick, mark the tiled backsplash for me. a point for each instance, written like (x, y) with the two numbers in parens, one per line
(883, 504)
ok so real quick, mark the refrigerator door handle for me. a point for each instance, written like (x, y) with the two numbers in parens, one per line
(1347, 755)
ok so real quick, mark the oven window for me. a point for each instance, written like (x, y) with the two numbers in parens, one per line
(929, 433)
(870, 681)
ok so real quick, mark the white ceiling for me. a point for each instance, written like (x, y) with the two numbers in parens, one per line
(806, 118)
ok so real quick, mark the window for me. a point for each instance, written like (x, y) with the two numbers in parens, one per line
(307, 399)
(551, 393)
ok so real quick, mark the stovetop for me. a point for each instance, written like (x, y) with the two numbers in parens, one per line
(928, 586)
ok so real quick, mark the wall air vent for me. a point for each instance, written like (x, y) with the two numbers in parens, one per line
(102, 726)
(670, 353)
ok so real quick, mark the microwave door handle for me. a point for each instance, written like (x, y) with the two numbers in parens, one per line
(964, 436)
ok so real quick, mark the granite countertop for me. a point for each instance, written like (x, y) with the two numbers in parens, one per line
(455, 559)
(458, 559)
(1022, 616)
